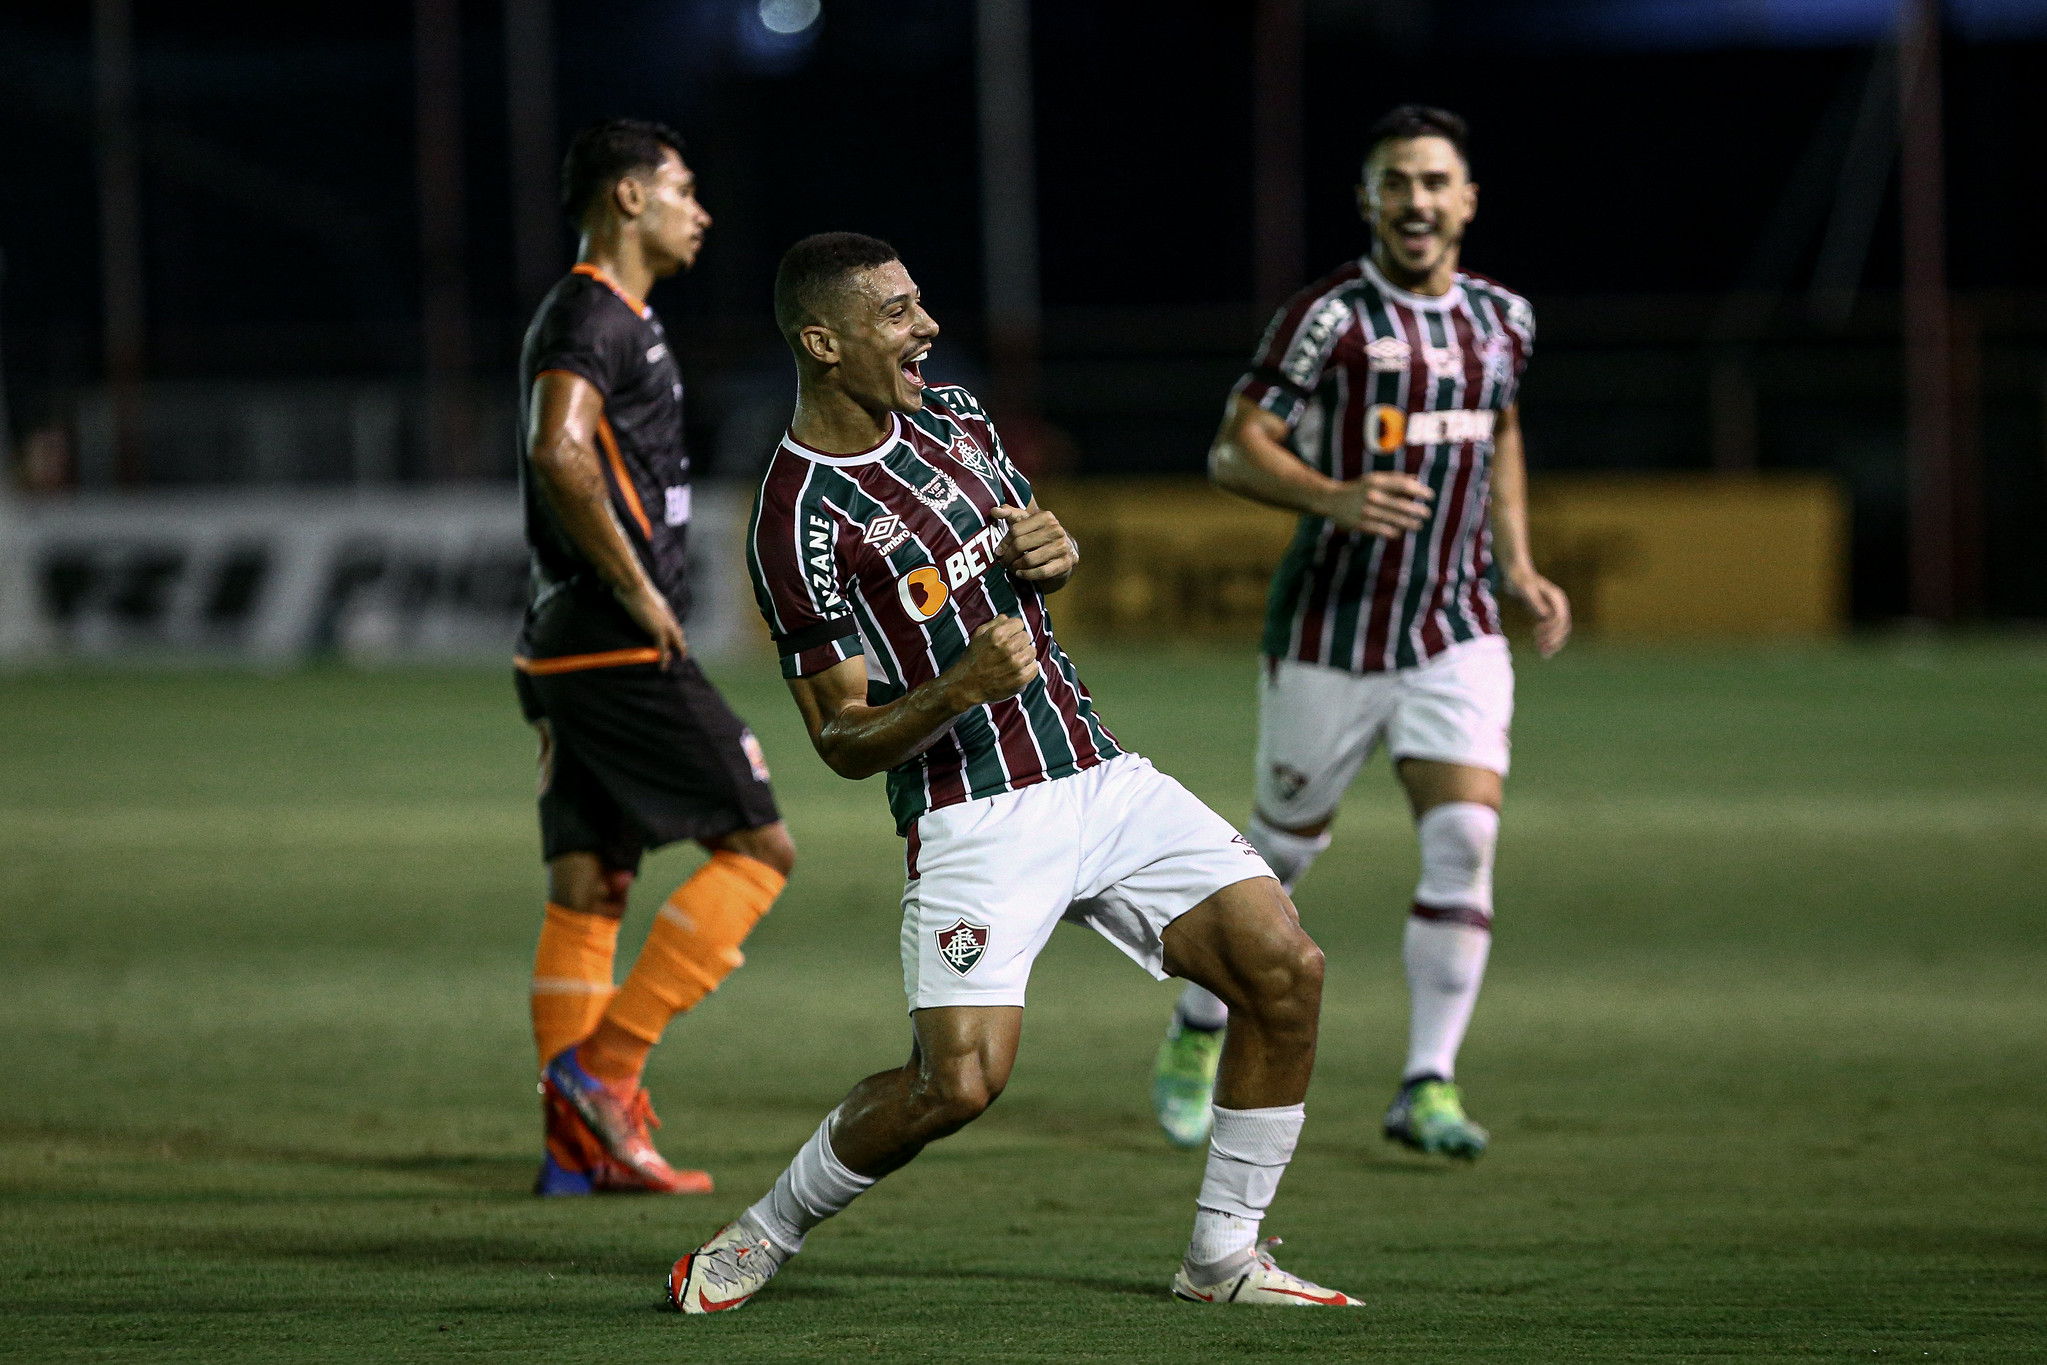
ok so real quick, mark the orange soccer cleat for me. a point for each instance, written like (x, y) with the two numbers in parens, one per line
(598, 1141)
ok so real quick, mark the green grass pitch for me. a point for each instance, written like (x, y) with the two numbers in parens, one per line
(1764, 1048)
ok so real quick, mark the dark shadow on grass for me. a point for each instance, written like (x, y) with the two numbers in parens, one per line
(1092, 1283)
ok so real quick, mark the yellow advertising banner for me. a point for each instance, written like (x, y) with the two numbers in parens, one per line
(1665, 556)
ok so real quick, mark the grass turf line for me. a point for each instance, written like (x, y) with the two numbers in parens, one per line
(1762, 1046)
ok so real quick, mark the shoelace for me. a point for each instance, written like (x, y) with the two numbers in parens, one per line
(641, 1110)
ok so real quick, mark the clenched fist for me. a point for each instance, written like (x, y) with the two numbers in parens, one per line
(1000, 661)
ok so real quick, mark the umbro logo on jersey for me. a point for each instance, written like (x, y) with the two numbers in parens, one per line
(1388, 355)
(886, 533)
(962, 944)
(1388, 428)
(939, 494)
(964, 451)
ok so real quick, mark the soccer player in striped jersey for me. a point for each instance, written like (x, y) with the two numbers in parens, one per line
(1381, 406)
(903, 564)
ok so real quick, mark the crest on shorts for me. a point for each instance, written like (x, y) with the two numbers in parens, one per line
(756, 758)
(961, 945)
(1289, 782)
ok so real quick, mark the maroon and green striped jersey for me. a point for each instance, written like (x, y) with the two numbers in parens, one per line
(1371, 377)
(891, 554)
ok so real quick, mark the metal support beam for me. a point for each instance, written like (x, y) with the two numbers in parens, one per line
(1927, 320)
(437, 71)
(1278, 230)
(530, 119)
(1009, 212)
(123, 324)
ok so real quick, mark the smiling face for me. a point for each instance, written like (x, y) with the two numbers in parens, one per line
(1418, 197)
(877, 339)
(671, 220)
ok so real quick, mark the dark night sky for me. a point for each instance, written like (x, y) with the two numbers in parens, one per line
(280, 212)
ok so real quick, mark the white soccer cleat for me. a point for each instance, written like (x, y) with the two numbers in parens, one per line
(724, 1272)
(1252, 1277)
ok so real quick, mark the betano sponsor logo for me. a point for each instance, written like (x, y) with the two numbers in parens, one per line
(1388, 428)
(926, 589)
(922, 592)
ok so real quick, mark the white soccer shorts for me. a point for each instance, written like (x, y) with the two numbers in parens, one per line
(1120, 847)
(1317, 726)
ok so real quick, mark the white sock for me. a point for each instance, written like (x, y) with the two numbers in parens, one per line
(1449, 935)
(1248, 1152)
(1202, 1009)
(1288, 855)
(814, 1187)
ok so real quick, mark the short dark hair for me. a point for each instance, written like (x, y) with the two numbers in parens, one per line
(813, 270)
(605, 153)
(1418, 120)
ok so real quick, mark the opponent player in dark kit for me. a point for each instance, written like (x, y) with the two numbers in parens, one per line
(903, 564)
(637, 749)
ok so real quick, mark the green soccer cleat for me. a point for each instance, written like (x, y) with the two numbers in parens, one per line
(1183, 1082)
(1428, 1115)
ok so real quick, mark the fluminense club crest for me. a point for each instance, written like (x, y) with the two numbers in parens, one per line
(967, 454)
(961, 944)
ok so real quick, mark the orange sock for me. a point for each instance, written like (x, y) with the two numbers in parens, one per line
(571, 977)
(693, 946)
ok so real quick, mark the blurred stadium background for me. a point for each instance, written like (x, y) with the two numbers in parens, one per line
(266, 277)
(1765, 1043)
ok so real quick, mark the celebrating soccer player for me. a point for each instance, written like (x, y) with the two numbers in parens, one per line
(1381, 407)
(902, 564)
(637, 749)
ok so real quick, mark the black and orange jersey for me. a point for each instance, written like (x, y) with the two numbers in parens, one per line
(589, 327)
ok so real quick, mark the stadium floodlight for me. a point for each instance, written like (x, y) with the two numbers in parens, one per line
(789, 16)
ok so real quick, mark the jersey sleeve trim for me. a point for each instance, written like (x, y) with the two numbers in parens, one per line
(1295, 350)
(812, 637)
(625, 482)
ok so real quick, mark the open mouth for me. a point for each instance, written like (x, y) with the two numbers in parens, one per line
(913, 369)
(1415, 233)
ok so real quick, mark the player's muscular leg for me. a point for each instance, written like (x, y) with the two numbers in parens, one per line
(1245, 943)
(582, 883)
(769, 844)
(1430, 784)
(959, 1062)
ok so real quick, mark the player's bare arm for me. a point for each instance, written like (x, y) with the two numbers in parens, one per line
(1037, 549)
(1250, 458)
(857, 740)
(1510, 538)
(562, 444)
